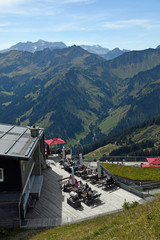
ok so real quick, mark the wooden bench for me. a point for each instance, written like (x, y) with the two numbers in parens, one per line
(110, 183)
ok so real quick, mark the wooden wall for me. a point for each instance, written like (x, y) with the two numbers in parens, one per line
(9, 213)
(12, 176)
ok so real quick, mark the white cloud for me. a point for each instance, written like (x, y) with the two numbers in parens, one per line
(4, 24)
(61, 2)
(79, 1)
(10, 3)
(124, 24)
(35, 8)
(57, 28)
(22, 8)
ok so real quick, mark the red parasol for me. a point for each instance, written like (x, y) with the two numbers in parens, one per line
(54, 141)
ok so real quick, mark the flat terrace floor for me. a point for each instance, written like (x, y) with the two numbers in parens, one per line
(52, 208)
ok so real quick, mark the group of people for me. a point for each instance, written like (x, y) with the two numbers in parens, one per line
(83, 190)
(89, 194)
(68, 164)
(79, 170)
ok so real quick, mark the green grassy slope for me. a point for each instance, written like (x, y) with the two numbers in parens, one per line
(139, 223)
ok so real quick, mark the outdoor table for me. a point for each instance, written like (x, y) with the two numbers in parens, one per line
(79, 172)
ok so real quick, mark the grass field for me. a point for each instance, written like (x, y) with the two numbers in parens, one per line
(138, 223)
(134, 173)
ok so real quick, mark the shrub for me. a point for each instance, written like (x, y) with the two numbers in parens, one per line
(128, 205)
(3, 232)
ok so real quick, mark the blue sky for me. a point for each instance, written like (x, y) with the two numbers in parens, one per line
(126, 24)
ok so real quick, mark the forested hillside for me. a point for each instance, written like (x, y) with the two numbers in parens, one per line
(78, 95)
(140, 140)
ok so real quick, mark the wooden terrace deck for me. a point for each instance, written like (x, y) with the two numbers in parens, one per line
(52, 208)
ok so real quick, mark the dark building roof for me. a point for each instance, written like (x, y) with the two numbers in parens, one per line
(17, 142)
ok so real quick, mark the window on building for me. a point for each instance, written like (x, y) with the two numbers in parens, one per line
(1, 175)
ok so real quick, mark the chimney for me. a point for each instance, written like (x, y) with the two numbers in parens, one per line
(34, 131)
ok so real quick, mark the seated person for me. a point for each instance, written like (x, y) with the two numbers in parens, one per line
(84, 192)
(74, 167)
(83, 167)
(76, 184)
(88, 189)
(89, 172)
(92, 194)
(107, 180)
(79, 168)
(76, 180)
(80, 183)
(88, 195)
(66, 164)
(71, 163)
(68, 183)
(87, 186)
(98, 194)
(111, 179)
(74, 195)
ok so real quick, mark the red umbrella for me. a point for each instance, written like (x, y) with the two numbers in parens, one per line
(55, 141)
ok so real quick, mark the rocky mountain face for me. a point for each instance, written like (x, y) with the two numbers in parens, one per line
(36, 46)
(77, 95)
(96, 49)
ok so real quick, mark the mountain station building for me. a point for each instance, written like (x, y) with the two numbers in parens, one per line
(22, 154)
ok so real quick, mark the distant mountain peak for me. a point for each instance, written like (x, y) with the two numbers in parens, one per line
(36, 46)
(96, 49)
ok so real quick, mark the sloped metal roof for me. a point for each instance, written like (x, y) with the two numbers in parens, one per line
(17, 142)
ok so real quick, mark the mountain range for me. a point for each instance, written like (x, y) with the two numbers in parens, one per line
(41, 45)
(35, 46)
(78, 95)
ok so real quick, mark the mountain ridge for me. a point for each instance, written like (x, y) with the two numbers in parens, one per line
(41, 45)
(35, 46)
(78, 95)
